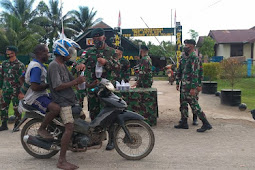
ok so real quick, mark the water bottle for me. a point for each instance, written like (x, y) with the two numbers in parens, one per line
(117, 85)
(122, 85)
(99, 70)
(82, 86)
(127, 86)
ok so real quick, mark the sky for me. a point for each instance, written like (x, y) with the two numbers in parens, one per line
(199, 15)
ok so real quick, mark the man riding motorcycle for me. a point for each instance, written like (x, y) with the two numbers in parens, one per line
(61, 82)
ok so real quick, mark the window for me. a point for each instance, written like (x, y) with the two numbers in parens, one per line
(236, 50)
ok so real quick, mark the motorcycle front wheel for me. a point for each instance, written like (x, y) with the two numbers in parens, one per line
(142, 140)
(31, 128)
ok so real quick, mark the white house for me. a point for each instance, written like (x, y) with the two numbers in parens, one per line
(232, 43)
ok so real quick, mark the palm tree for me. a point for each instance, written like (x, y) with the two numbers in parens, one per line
(21, 9)
(83, 19)
(50, 19)
(15, 34)
(18, 28)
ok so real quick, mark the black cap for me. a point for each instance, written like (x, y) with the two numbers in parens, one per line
(144, 47)
(191, 41)
(97, 32)
(120, 48)
(12, 48)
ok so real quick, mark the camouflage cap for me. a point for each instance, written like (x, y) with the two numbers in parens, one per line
(12, 48)
(191, 41)
(144, 47)
(120, 48)
(97, 32)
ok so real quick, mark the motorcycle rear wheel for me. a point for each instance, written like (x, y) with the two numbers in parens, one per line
(143, 140)
(31, 128)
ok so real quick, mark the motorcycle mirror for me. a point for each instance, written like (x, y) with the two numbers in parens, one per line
(108, 84)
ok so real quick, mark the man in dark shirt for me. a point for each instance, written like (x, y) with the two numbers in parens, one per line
(61, 82)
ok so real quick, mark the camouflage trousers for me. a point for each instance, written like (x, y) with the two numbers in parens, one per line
(185, 99)
(93, 105)
(80, 94)
(6, 99)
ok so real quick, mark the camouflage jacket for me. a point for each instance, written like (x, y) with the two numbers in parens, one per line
(124, 70)
(9, 75)
(188, 72)
(90, 60)
(200, 73)
(145, 73)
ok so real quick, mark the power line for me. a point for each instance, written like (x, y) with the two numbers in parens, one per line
(158, 41)
(214, 3)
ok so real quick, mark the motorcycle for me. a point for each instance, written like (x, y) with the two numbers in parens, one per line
(133, 137)
(170, 73)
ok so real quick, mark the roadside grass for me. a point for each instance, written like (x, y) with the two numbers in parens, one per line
(247, 86)
(165, 78)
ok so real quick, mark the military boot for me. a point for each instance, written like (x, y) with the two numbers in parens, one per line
(206, 126)
(182, 124)
(4, 126)
(110, 145)
(195, 120)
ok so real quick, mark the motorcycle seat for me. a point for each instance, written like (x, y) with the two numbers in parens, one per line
(27, 106)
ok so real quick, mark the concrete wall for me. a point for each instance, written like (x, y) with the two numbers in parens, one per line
(247, 50)
(223, 50)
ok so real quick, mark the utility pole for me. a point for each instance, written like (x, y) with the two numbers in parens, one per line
(171, 27)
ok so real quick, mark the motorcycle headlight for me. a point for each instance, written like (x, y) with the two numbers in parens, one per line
(108, 84)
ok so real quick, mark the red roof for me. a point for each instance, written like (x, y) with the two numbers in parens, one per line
(233, 36)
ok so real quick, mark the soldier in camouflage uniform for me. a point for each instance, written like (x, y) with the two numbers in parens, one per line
(187, 81)
(124, 66)
(107, 58)
(145, 70)
(80, 93)
(12, 69)
(199, 88)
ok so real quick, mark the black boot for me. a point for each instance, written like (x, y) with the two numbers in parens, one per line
(4, 126)
(195, 120)
(182, 124)
(110, 145)
(180, 121)
(206, 126)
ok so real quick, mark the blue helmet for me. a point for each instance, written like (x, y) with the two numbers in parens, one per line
(62, 47)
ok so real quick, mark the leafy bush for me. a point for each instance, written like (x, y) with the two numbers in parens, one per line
(232, 70)
(211, 70)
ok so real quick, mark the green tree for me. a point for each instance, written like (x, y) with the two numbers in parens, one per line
(21, 9)
(17, 26)
(83, 19)
(165, 49)
(50, 19)
(207, 48)
(232, 71)
(193, 34)
(15, 34)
